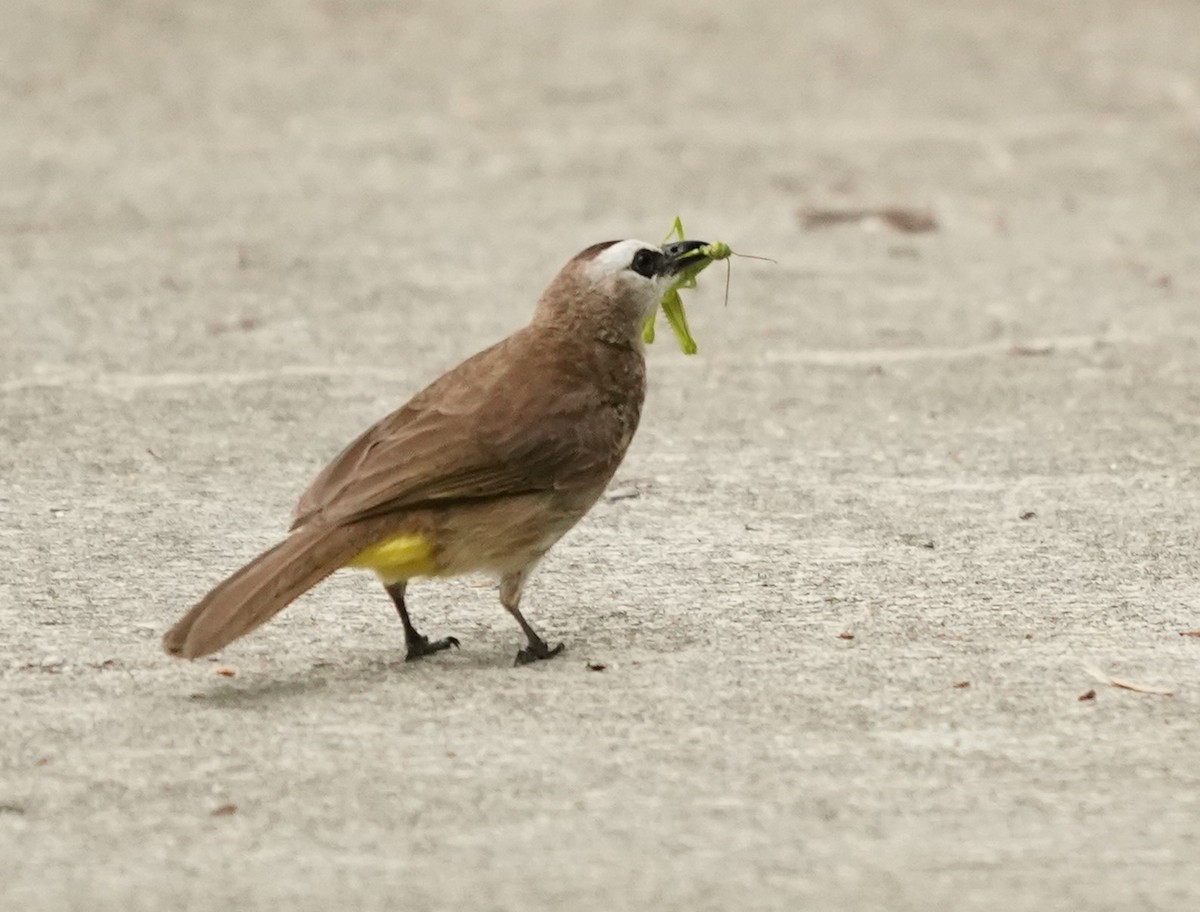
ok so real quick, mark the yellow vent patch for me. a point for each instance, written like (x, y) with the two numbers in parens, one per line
(398, 558)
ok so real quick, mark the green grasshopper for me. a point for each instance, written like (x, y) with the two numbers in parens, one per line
(672, 303)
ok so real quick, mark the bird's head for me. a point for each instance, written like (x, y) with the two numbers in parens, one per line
(608, 290)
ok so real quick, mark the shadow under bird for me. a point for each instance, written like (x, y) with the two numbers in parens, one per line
(482, 471)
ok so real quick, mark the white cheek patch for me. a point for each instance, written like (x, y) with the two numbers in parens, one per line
(615, 259)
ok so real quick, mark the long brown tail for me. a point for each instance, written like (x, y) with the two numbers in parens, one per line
(262, 588)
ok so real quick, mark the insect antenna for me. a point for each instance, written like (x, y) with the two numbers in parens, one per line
(729, 267)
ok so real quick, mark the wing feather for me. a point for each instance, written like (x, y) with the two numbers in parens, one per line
(484, 430)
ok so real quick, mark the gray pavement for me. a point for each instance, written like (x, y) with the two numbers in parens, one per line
(911, 488)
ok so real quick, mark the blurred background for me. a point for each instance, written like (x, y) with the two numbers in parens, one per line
(437, 162)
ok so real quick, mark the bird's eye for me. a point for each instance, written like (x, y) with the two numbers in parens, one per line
(645, 262)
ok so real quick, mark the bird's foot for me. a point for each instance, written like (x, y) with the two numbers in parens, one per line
(420, 645)
(535, 651)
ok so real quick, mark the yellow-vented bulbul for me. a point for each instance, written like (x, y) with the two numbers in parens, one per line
(484, 470)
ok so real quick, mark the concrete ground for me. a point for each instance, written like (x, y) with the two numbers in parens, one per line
(856, 568)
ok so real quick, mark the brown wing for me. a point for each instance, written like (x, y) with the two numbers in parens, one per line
(513, 419)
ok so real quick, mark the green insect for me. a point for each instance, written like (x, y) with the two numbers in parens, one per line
(672, 303)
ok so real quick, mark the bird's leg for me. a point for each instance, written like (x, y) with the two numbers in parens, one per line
(510, 598)
(418, 644)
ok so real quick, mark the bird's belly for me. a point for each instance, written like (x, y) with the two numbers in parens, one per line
(496, 537)
(506, 536)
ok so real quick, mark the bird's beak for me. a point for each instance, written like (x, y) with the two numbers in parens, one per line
(679, 255)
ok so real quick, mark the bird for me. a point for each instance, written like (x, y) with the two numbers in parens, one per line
(483, 471)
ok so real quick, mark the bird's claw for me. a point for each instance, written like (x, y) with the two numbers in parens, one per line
(537, 651)
(421, 646)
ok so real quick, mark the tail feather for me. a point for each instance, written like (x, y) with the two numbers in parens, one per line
(261, 589)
